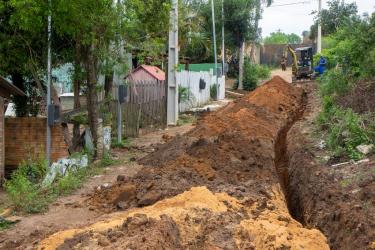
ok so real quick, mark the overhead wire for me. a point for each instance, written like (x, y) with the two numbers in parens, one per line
(288, 4)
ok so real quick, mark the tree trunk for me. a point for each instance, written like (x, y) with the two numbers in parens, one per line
(92, 98)
(241, 64)
(108, 84)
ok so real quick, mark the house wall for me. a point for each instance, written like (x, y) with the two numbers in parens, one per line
(199, 97)
(25, 137)
(2, 149)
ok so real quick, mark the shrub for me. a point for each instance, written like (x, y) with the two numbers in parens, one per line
(252, 75)
(27, 193)
(184, 94)
(24, 186)
(345, 129)
(334, 83)
(213, 91)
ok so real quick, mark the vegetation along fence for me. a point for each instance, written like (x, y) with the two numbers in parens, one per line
(144, 109)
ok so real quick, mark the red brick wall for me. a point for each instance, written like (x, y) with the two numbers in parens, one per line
(25, 137)
(2, 165)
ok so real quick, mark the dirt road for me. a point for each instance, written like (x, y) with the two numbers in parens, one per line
(220, 186)
(248, 176)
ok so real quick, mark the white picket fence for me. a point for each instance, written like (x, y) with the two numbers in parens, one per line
(199, 97)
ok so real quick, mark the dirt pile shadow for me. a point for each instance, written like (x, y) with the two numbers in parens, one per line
(339, 201)
(218, 183)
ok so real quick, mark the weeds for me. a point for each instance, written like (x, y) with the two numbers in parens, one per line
(345, 129)
(107, 161)
(27, 193)
(186, 119)
(213, 91)
(123, 144)
(4, 224)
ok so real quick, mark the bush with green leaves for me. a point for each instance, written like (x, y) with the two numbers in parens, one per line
(345, 130)
(29, 195)
(213, 91)
(24, 187)
(351, 60)
(334, 83)
(253, 74)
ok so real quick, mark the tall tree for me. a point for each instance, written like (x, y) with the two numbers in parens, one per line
(92, 27)
(279, 37)
(337, 14)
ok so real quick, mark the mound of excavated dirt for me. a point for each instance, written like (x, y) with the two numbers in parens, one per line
(235, 153)
(196, 219)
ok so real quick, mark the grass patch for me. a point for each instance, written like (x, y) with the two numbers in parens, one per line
(28, 195)
(345, 183)
(345, 129)
(4, 224)
(186, 119)
(127, 144)
(108, 161)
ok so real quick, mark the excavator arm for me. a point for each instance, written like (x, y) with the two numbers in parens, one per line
(289, 49)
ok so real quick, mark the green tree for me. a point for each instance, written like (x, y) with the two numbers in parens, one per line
(337, 14)
(279, 37)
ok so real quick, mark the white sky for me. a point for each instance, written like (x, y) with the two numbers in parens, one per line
(297, 18)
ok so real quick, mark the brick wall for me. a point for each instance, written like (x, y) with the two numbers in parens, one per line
(2, 165)
(25, 137)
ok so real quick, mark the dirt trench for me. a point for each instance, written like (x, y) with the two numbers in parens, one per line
(220, 186)
(338, 200)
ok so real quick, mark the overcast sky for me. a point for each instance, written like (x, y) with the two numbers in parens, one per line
(297, 18)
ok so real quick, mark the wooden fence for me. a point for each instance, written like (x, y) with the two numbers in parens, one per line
(145, 108)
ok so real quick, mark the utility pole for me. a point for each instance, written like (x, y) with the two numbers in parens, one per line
(223, 37)
(215, 49)
(172, 95)
(320, 27)
(49, 82)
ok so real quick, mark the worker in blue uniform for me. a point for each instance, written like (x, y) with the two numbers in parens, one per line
(321, 68)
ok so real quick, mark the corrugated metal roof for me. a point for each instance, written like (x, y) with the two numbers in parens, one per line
(152, 70)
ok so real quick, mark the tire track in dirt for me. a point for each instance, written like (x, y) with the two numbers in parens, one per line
(216, 187)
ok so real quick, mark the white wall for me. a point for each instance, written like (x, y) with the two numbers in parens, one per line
(199, 97)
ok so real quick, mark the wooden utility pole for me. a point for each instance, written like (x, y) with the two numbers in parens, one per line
(172, 95)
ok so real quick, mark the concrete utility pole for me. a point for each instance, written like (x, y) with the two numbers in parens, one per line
(172, 98)
(49, 82)
(223, 36)
(215, 49)
(320, 27)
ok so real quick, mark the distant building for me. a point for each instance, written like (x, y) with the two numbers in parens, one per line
(146, 73)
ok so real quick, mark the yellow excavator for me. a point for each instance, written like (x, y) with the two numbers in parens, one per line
(302, 68)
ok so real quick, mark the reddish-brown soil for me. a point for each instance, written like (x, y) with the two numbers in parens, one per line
(232, 151)
(338, 200)
(216, 187)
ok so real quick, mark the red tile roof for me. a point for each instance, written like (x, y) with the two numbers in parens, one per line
(153, 71)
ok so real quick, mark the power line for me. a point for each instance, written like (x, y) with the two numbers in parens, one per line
(288, 4)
